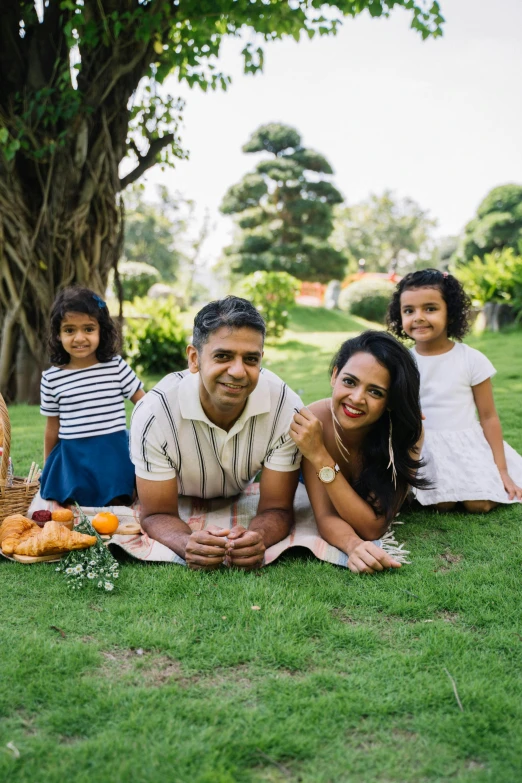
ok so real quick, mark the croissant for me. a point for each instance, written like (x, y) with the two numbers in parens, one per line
(53, 539)
(12, 528)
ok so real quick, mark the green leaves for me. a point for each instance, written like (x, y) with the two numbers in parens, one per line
(284, 210)
(273, 294)
(496, 277)
(273, 138)
(498, 224)
(244, 195)
(383, 230)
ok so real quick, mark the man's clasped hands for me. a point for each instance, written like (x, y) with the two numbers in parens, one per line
(213, 547)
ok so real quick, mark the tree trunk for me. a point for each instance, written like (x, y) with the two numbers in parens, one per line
(53, 234)
(61, 216)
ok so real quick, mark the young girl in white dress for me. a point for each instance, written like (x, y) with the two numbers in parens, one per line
(466, 459)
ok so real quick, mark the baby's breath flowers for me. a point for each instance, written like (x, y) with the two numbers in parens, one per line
(95, 563)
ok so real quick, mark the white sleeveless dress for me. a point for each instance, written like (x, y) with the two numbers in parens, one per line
(459, 460)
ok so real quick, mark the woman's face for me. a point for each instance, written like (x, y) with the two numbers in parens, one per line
(360, 392)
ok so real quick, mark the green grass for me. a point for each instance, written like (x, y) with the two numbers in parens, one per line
(336, 677)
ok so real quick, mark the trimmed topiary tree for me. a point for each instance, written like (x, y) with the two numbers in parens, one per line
(284, 210)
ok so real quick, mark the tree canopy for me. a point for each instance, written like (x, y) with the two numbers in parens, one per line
(79, 93)
(384, 231)
(498, 224)
(284, 210)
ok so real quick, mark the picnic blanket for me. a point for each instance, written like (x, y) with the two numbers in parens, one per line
(227, 513)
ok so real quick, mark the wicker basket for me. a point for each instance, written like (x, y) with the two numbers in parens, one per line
(15, 499)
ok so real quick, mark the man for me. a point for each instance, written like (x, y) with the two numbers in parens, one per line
(207, 431)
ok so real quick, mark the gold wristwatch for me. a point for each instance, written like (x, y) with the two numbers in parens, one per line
(327, 474)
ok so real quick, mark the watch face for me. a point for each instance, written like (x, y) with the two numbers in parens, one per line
(326, 475)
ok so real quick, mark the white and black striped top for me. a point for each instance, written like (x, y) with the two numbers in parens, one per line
(171, 437)
(90, 401)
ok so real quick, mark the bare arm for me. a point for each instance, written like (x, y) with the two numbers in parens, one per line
(337, 521)
(490, 422)
(52, 427)
(275, 512)
(364, 556)
(160, 520)
(137, 396)
(272, 522)
(346, 504)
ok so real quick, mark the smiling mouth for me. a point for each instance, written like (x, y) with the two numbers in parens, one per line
(232, 386)
(353, 413)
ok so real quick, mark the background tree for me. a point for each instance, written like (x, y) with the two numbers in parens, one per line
(387, 232)
(498, 224)
(78, 92)
(443, 252)
(155, 233)
(273, 294)
(284, 210)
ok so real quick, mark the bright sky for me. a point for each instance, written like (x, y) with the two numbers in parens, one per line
(438, 121)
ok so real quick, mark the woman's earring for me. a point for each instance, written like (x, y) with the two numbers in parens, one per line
(391, 463)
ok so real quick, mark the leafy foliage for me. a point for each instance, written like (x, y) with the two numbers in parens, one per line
(155, 232)
(136, 278)
(162, 37)
(94, 566)
(79, 92)
(498, 224)
(368, 298)
(284, 210)
(155, 342)
(385, 231)
(497, 277)
(273, 294)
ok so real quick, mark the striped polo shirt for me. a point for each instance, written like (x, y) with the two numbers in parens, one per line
(89, 401)
(171, 437)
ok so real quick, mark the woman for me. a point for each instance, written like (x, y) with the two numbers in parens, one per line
(360, 447)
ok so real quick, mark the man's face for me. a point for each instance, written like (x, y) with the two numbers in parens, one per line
(228, 366)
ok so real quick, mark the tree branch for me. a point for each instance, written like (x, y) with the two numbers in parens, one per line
(147, 160)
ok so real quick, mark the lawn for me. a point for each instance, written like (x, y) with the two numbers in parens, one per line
(174, 676)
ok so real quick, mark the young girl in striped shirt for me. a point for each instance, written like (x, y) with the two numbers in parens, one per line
(86, 445)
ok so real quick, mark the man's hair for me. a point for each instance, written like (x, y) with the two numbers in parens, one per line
(232, 311)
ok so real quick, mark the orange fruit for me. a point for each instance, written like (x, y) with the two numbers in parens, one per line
(105, 523)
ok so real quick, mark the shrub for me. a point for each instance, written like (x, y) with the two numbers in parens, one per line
(495, 278)
(273, 294)
(368, 298)
(154, 338)
(136, 278)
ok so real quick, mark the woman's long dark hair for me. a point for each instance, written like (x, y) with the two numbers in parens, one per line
(76, 299)
(375, 484)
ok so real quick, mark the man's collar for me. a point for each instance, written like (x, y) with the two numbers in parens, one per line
(190, 404)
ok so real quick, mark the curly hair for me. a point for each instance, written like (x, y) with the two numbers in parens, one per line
(374, 483)
(457, 301)
(76, 299)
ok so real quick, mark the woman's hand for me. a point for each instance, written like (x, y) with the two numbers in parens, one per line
(367, 558)
(513, 490)
(307, 433)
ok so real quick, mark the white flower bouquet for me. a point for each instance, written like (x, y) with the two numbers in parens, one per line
(95, 565)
